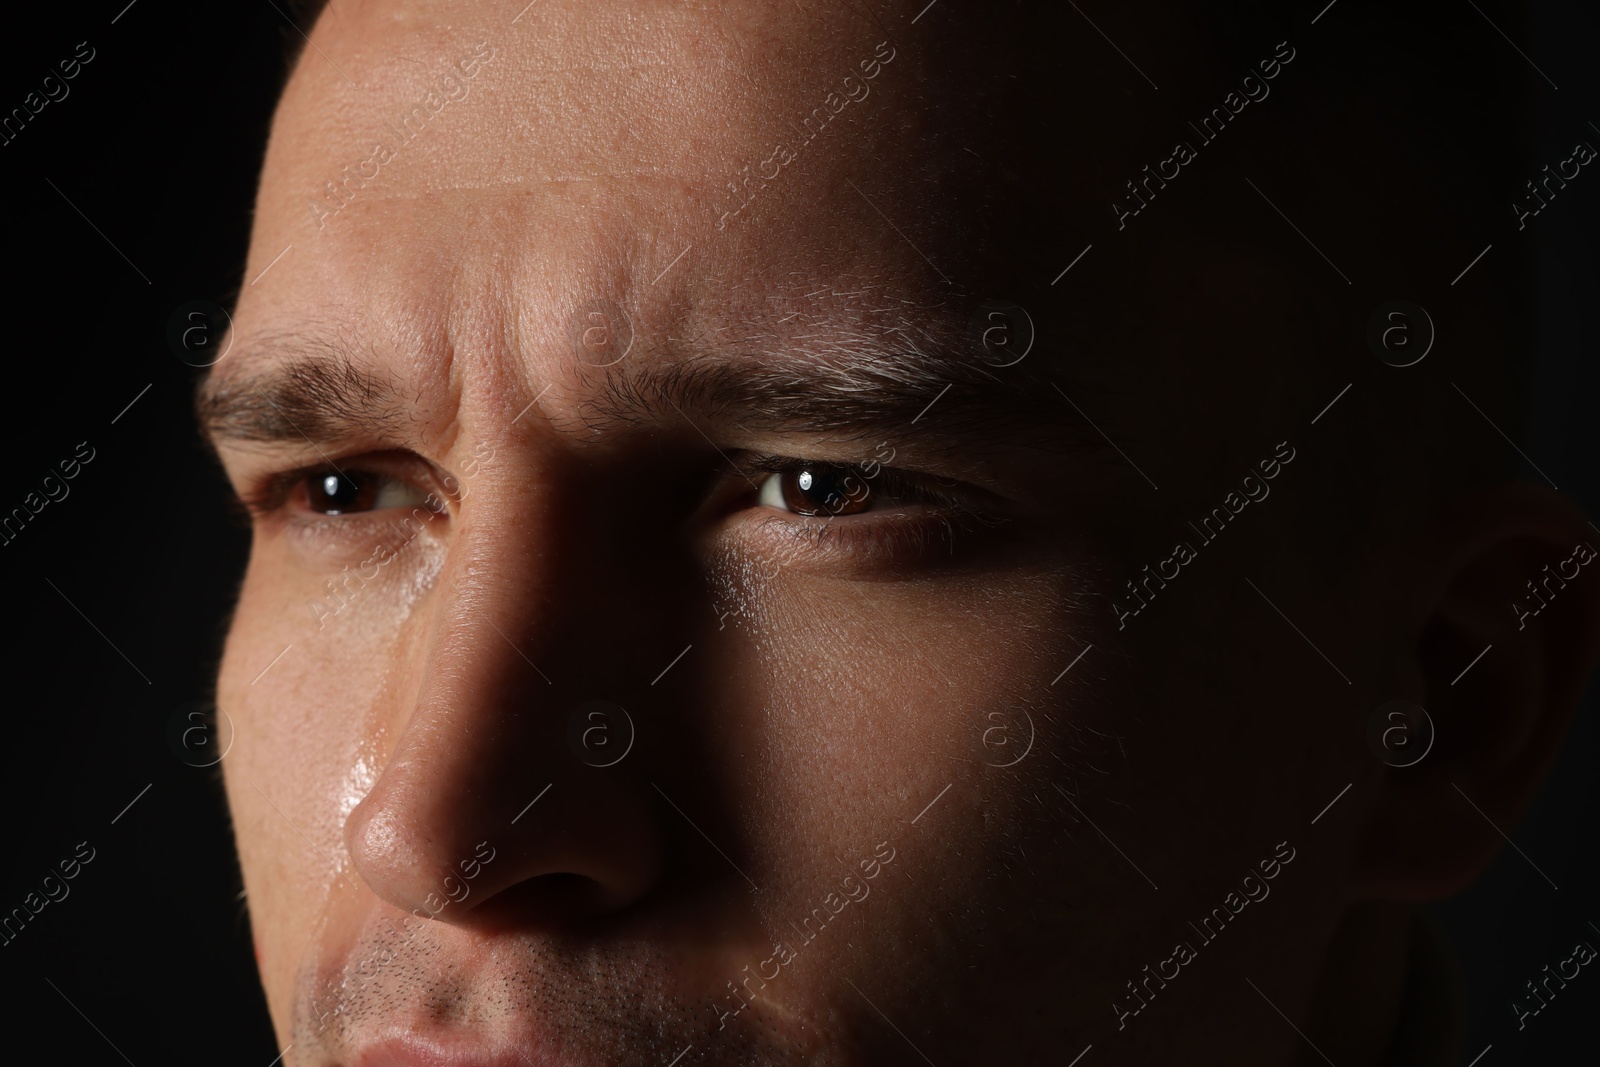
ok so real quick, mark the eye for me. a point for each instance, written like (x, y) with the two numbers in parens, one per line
(332, 492)
(900, 519)
(819, 489)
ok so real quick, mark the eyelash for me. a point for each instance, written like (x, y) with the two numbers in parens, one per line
(887, 531)
(888, 534)
(271, 494)
(890, 482)
(274, 492)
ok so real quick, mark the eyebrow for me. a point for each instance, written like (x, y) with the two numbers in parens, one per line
(845, 390)
(323, 398)
(940, 403)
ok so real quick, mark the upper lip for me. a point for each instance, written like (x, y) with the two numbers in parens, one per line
(458, 1007)
(443, 1050)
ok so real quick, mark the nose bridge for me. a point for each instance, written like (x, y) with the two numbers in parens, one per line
(474, 695)
(482, 731)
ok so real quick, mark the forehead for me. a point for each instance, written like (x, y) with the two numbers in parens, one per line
(496, 174)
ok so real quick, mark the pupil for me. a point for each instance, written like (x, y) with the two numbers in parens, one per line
(338, 494)
(827, 491)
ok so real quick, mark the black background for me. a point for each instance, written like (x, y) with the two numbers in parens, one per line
(131, 197)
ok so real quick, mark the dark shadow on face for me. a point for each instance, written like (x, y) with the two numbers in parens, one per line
(980, 464)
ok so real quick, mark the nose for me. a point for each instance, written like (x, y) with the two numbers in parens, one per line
(509, 797)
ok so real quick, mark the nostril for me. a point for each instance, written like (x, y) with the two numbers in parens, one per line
(430, 835)
(557, 897)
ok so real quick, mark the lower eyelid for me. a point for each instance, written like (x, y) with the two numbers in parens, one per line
(882, 544)
(330, 541)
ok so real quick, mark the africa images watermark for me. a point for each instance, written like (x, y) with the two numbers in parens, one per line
(11, 925)
(55, 89)
(853, 889)
(339, 193)
(33, 503)
(1210, 128)
(1553, 982)
(410, 926)
(851, 490)
(1211, 526)
(1581, 555)
(1582, 153)
(1251, 888)
(852, 89)
(354, 582)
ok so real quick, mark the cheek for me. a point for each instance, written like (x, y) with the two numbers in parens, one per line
(848, 707)
(872, 686)
(922, 714)
(310, 708)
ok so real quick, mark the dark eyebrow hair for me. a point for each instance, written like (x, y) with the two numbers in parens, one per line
(323, 399)
(848, 392)
(945, 403)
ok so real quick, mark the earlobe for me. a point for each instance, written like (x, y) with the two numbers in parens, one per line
(1499, 670)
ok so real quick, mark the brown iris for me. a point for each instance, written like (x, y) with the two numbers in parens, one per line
(332, 493)
(825, 489)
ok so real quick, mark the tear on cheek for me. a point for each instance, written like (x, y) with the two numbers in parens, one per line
(423, 578)
(358, 782)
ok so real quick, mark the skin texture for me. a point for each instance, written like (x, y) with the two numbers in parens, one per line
(880, 692)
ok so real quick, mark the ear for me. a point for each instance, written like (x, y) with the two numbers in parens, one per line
(1514, 570)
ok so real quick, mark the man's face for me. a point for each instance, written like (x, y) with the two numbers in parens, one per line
(675, 628)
